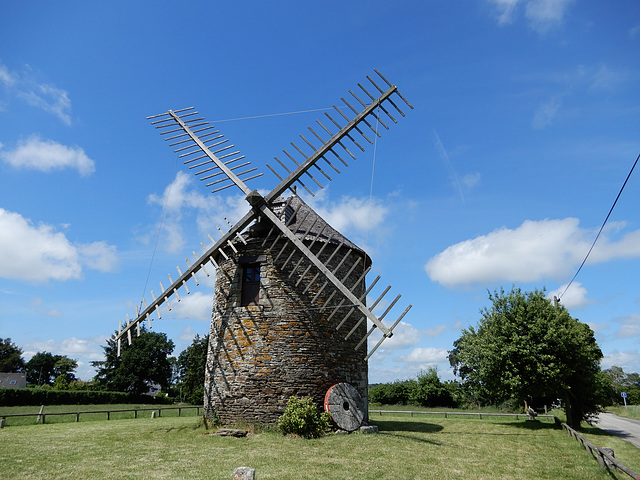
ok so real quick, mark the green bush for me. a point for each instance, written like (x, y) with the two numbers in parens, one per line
(301, 417)
(48, 396)
(396, 393)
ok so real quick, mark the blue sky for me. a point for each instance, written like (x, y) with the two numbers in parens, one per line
(524, 129)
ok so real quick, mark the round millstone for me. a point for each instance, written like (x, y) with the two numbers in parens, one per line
(345, 405)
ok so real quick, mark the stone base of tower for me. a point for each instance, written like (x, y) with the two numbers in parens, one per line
(261, 355)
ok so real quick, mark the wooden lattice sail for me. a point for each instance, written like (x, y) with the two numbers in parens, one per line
(292, 254)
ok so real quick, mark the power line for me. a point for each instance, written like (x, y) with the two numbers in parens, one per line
(601, 228)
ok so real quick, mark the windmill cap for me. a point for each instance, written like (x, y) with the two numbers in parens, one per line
(308, 225)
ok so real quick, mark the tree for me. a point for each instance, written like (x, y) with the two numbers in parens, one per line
(525, 348)
(11, 360)
(429, 391)
(395, 393)
(191, 366)
(44, 368)
(140, 364)
(620, 382)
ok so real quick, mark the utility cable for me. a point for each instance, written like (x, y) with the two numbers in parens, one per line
(601, 228)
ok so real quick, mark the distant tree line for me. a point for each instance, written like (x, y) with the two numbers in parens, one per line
(525, 349)
(426, 390)
(146, 362)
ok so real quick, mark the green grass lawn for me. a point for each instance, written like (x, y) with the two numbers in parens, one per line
(630, 411)
(406, 448)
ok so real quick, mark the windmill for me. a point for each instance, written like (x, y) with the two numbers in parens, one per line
(289, 310)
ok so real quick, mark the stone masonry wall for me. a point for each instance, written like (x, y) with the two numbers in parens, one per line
(261, 355)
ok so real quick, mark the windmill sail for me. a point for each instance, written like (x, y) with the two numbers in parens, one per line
(210, 157)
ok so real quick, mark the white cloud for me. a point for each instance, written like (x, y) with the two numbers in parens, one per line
(460, 184)
(182, 203)
(187, 334)
(607, 79)
(98, 256)
(629, 326)
(50, 99)
(574, 297)
(404, 335)
(47, 155)
(6, 77)
(40, 253)
(72, 347)
(436, 331)
(350, 214)
(545, 14)
(426, 356)
(546, 113)
(629, 360)
(533, 251)
(38, 306)
(470, 180)
(83, 350)
(25, 86)
(195, 306)
(541, 14)
(579, 80)
(506, 10)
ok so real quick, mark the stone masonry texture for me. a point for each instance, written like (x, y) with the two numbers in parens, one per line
(260, 355)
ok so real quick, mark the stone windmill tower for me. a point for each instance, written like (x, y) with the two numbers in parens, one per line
(289, 310)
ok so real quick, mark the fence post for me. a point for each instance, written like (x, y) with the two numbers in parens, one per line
(77, 417)
(608, 451)
(40, 416)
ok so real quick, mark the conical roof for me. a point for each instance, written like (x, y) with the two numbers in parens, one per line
(308, 225)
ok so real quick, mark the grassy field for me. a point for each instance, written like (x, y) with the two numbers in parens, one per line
(630, 411)
(406, 447)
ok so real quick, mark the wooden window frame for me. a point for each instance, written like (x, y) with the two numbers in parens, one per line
(250, 291)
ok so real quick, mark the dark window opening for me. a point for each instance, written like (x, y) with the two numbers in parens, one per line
(250, 284)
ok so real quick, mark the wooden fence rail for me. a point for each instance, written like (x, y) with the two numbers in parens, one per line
(479, 415)
(604, 456)
(42, 415)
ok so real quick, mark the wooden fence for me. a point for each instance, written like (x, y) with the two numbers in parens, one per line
(42, 415)
(603, 455)
(479, 415)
